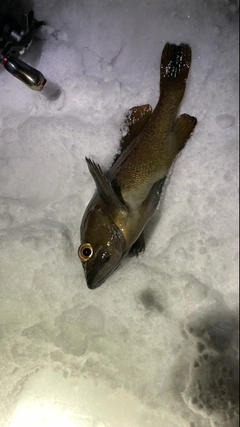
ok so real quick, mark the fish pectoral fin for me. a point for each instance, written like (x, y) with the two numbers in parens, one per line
(182, 129)
(104, 187)
(138, 246)
(134, 123)
(150, 203)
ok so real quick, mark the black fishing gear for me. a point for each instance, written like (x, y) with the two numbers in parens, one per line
(17, 30)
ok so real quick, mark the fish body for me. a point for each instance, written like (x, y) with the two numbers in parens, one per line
(128, 193)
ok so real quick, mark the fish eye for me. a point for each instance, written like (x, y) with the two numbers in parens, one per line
(85, 252)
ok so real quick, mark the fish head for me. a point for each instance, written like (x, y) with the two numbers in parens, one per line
(102, 245)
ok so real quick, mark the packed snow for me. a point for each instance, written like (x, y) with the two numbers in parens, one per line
(157, 343)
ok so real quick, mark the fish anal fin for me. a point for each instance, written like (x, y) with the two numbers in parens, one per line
(134, 123)
(138, 246)
(182, 129)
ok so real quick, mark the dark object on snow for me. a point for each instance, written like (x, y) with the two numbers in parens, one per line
(128, 193)
(16, 33)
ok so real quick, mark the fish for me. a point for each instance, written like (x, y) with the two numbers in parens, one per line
(128, 193)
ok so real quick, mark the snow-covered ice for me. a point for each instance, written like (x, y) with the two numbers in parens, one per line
(157, 344)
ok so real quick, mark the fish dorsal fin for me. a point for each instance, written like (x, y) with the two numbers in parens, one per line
(133, 124)
(104, 187)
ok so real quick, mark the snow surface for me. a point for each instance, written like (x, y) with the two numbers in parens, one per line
(156, 345)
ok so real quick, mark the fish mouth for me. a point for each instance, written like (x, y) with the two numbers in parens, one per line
(93, 275)
(91, 283)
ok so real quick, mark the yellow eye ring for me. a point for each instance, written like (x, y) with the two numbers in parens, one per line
(85, 252)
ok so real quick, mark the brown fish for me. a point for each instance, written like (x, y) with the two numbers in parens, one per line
(128, 193)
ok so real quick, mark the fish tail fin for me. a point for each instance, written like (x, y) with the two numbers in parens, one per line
(175, 65)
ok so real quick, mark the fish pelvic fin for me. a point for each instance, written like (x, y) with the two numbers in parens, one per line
(138, 246)
(104, 187)
(175, 65)
(182, 129)
(134, 122)
(149, 205)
